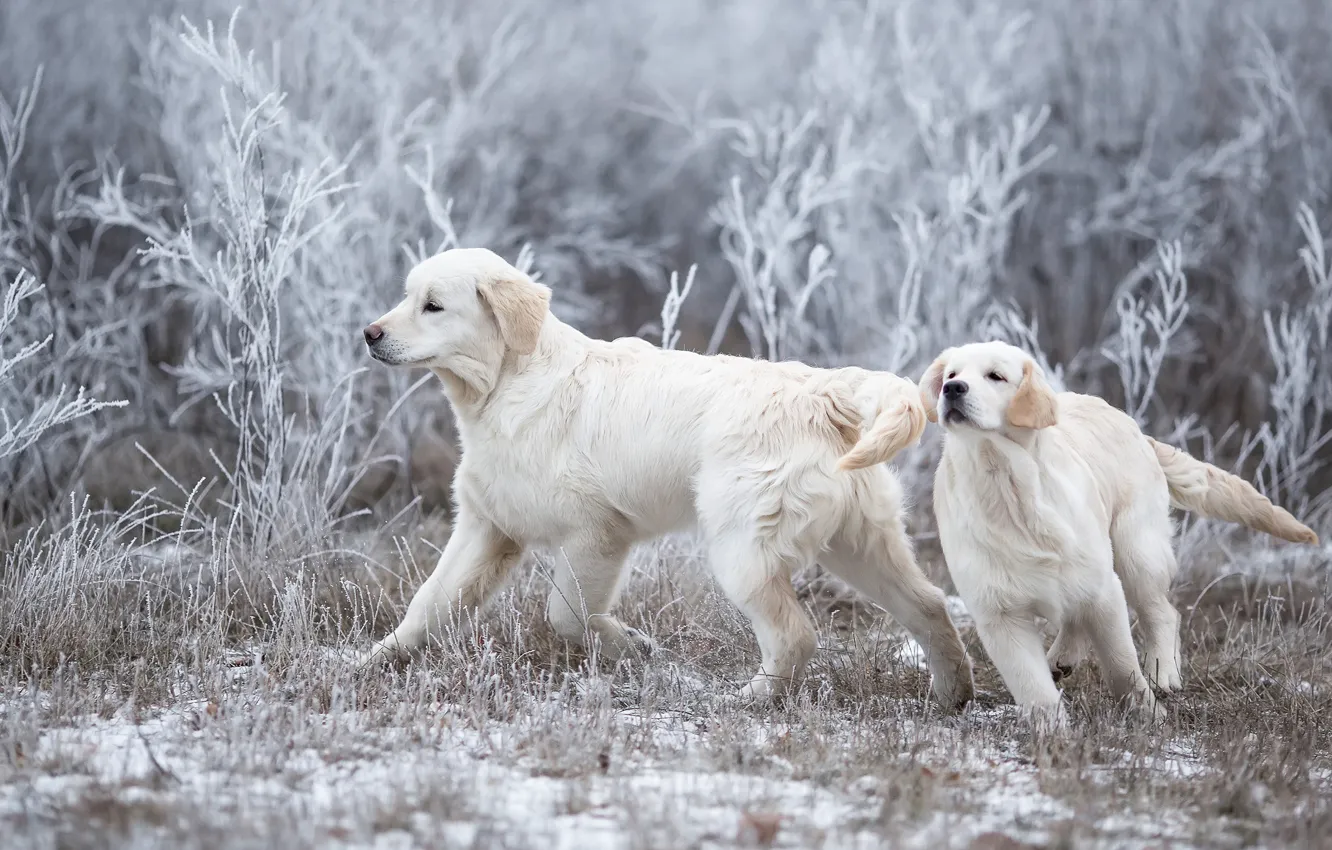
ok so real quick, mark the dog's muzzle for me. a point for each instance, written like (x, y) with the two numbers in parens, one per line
(955, 398)
(374, 339)
(954, 414)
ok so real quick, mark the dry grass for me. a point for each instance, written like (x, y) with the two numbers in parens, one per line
(157, 709)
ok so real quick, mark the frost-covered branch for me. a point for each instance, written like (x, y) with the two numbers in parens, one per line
(23, 421)
(1294, 446)
(769, 227)
(670, 307)
(1147, 325)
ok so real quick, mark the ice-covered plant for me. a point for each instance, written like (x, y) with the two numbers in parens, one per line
(670, 307)
(1147, 325)
(1292, 448)
(255, 254)
(770, 228)
(24, 419)
(34, 400)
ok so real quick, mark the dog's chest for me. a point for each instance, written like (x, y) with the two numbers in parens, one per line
(997, 560)
(1006, 513)
(516, 482)
(1023, 527)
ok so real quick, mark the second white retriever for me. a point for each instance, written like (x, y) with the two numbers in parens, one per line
(590, 446)
(1057, 506)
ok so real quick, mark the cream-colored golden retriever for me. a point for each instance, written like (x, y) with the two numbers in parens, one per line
(1055, 505)
(590, 446)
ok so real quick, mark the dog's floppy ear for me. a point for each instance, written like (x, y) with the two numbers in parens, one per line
(931, 384)
(1034, 405)
(519, 304)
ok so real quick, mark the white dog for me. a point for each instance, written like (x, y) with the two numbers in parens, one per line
(1057, 506)
(591, 446)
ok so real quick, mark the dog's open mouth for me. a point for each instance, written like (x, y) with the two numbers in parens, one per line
(954, 415)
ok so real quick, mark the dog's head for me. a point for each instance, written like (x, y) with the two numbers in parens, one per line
(464, 310)
(988, 386)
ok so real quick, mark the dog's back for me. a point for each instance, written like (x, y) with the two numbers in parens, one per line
(624, 428)
(1132, 468)
(1119, 457)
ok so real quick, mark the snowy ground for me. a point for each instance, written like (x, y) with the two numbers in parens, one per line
(456, 787)
(507, 738)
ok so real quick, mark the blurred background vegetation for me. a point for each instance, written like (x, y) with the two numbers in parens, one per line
(212, 206)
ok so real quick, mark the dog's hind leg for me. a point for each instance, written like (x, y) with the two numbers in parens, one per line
(1145, 562)
(586, 582)
(475, 562)
(758, 581)
(1107, 623)
(879, 562)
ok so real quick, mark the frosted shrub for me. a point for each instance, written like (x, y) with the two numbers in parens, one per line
(26, 415)
(1293, 446)
(1147, 324)
(34, 400)
(769, 229)
(670, 307)
(258, 256)
(884, 137)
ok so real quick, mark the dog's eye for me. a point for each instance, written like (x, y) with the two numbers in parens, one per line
(432, 307)
(995, 376)
(952, 375)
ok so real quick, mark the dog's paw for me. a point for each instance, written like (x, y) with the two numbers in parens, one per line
(759, 692)
(623, 644)
(1159, 713)
(1151, 709)
(378, 655)
(1144, 708)
(956, 690)
(1164, 674)
(1048, 721)
(1060, 671)
(640, 643)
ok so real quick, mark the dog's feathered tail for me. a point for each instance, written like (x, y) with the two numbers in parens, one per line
(896, 418)
(1211, 491)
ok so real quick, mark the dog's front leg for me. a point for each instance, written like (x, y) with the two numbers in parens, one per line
(475, 562)
(586, 582)
(1014, 645)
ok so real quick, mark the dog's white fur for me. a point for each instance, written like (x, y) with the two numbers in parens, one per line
(591, 446)
(1057, 506)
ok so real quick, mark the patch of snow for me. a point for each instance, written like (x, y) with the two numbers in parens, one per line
(912, 654)
(391, 787)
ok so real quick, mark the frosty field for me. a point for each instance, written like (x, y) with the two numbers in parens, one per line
(507, 739)
(210, 497)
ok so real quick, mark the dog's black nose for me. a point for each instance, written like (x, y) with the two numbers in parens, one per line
(951, 390)
(373, 334)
